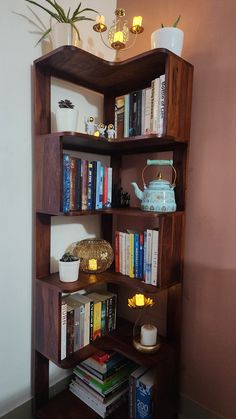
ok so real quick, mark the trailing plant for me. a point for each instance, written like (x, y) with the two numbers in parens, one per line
(174, 25)
(60, 15)
(68, 257)
(66, 104)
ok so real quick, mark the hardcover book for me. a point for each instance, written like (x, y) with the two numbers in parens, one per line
(144, 395)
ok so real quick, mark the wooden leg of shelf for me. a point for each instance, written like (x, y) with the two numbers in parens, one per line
(41, 391)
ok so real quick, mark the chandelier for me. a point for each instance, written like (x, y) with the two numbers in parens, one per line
(119, 32)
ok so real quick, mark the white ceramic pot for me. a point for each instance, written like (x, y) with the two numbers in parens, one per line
(69, 271)
(67, 119)
(63, 34)
(170, 38)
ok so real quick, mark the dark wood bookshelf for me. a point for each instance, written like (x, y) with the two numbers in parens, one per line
(111, 79)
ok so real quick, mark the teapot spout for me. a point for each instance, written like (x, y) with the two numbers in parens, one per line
(137, 191)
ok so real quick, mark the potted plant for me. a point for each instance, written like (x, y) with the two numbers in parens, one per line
(170, 37)
(64, 31)
(69, 268)
(66, 116)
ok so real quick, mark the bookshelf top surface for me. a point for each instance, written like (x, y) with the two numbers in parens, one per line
(81, 67)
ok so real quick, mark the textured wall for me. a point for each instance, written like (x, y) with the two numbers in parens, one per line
(209, 321)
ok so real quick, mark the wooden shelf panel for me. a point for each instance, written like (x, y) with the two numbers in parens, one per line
(86, 281)
(67, 406)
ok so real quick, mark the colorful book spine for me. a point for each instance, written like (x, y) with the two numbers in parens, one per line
(119, 116)
(154, 267)
(90, 185)
(126, 116)
(98, 185)
(141, 245)
(96, 320)
(84, 185)
(78, 185)
(105, 187)
(144, 395)
(63, 329)
(73, 181)
(132, 389)
(109, 188)
(136, 255)
(148, 264)
(161, 105)
(131, 265)
(66, 183)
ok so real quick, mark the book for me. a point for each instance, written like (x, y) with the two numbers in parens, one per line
(104, 361)
(111, 309)
(73, 183)
(66, 183)
(155, 104)
(126, 116)
(144, 395)
(148, 264)
(147, 112)
(119, 116)
(161, 108)
(154, 264)
(132, 389)
(85, 301)
(97, 306)
(117, 252)
(78, 321)
(121, 362)
(70, 330)
(135, 110)
(63, 328)
(84, 191)
(98, 201)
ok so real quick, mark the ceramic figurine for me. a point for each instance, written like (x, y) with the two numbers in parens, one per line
(101, 129)
(90, 125)
(111, 133)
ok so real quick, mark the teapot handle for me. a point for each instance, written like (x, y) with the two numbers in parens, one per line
(160, 163)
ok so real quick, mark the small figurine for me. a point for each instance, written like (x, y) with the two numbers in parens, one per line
(90, 125)
(101, 129)
(111, 133)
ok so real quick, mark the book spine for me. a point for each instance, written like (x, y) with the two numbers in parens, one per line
(77, 326)
(91, 320)
(156, 87)
(70, 331)
(86, 324)
(126, 116)
(155, 235)
(136, 255)
(94, 183)
(131, 270)
(141, 245)
(63, 329)
(105, 186)
(144, 255)
(97, 320)
(117, 251)
(127, 254)
(81, 324)
(66, 183)
(148, 257)
(98, 182)
(101, 187)
(119, 116)
(147, 111)
(90, 176)
(109, 188)
(144, 402)
(73, 175)
(161, 105)
(78, 185)
(103, 317)
(84, 184)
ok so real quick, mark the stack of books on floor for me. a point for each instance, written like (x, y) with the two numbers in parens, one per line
(102, 381)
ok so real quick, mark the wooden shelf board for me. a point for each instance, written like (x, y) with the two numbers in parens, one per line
(86, 281)
(67, 406)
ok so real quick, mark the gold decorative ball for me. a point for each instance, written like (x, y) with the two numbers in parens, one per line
(96, 255)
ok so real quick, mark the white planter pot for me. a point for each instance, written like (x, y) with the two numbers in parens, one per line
(67, 119)
(63, 34)
(170, 38)
(69, 271)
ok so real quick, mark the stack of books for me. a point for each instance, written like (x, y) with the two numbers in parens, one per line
(84, 318)
(102, 381)
(141, 112)
(136, 255)
(87, 185)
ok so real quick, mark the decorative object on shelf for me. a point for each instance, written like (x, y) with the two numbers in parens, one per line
(69, 268)
(66, 116)
(169, 37)
(111, 133)
(90, 125)
(61, 16)
(120, 198)
(96, 255)
(118, 33)
(145, 338)
(101, 129)
(159, 196)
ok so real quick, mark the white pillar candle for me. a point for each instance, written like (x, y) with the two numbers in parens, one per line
(148, 335)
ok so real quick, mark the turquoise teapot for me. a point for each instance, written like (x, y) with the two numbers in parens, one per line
(159, 196)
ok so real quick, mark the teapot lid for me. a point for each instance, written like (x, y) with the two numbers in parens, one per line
(159, 182)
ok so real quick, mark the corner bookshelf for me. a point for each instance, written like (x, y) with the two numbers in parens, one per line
(111, 79)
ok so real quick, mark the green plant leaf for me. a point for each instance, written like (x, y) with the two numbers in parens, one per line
(44, 36)
(45, 9)
(76, 11)
(76, 30)
(176, 22)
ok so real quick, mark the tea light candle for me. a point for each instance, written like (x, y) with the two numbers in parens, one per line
(137, 21)
(148, 335)
(92, 264)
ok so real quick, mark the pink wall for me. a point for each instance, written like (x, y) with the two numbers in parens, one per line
(209, 309)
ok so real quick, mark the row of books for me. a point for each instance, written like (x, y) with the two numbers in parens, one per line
(84, 318)
(141, 112)
(108, 379)
(87, 185)
(102, 381)
(136, 254)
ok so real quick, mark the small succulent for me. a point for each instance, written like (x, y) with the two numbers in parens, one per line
(175, 22)
(68, 257)
(65, 104)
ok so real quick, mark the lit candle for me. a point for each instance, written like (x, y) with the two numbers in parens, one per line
(92, 264)
(100, 19)
(139, 300)
(148, 335)
(118, 37)
(137, 21)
